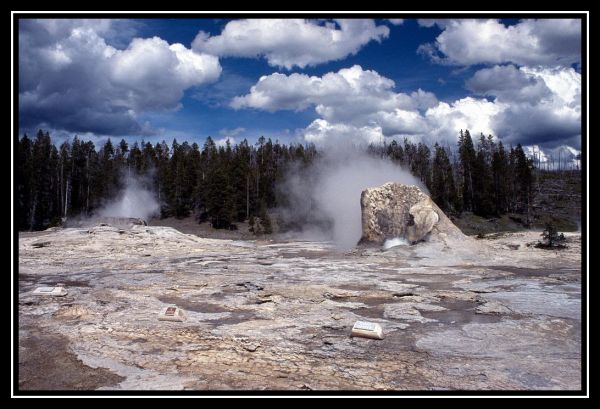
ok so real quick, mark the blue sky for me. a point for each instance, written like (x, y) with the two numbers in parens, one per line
(205, 110)
(321, 81)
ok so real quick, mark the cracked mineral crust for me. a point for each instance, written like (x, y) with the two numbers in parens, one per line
(278, 314)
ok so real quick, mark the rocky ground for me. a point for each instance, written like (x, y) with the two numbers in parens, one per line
(190, 225)
(489, 314)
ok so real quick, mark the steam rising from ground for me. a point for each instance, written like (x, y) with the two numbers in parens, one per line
(325, 197)
(135, 200)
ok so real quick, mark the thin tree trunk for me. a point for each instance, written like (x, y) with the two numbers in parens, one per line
(58, 194)
(67, 194)
(66, 198)
(87, 199)
(62, 180)
(528, 208)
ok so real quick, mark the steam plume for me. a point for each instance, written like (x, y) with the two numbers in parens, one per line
(135, 200)
(327, 194)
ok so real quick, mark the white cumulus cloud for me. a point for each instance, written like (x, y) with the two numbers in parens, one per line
(509, 83)
(520, 105)
(71, 79)
(542, 105)
(546, 42)
(350, 95)
(157, 73)
(445, 120)
(322, 132)
(396, 21)
(291, 42)
(361, 106)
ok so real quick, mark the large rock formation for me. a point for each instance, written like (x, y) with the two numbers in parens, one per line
(395, 210)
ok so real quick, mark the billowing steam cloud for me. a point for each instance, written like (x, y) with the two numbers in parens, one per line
(135, 200)
(326, 196)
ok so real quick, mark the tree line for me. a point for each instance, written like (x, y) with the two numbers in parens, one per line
(486, 179)
(219, 184)
(232, 183)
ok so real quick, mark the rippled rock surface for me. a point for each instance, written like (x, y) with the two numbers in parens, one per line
(278, 315)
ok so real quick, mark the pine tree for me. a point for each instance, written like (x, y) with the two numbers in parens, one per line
(466, 153)
(53, 187)
(208, 159)
(91, 163)
(40, 210)
(134, 160)
(500, 177)
(482, 179)
(443, 189)
(163, 177)
(395, 152)
(218, 201)
(551, 238)
(421, 164)
(524, 183)
(24, 182)
(182, 180)
(148, 160)
(108, 176)
(122, 155)
(240, 179)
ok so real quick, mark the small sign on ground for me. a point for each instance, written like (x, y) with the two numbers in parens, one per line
(171, 313)
(50, 291)
(366, 329)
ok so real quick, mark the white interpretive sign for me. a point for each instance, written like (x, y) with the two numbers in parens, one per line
(50, 291)
(367, 330)
(171, 313)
